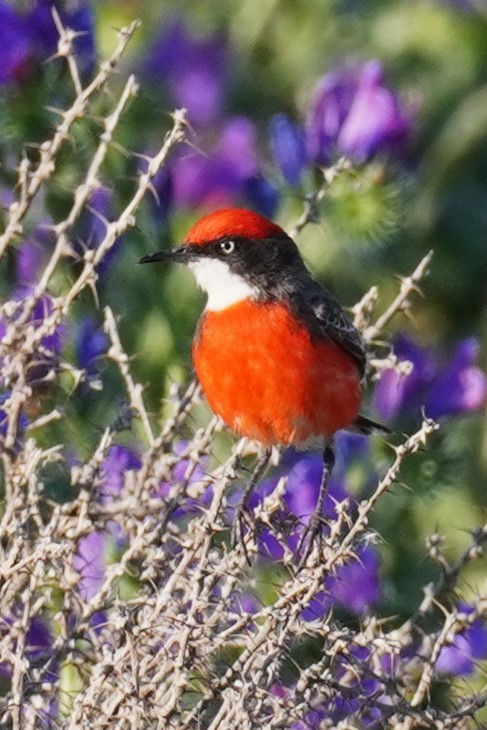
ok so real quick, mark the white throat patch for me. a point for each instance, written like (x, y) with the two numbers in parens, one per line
(223, 287)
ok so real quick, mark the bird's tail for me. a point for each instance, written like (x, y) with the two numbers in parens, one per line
(366, 425)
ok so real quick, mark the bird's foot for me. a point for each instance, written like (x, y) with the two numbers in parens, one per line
(313, 532)
(312, 535)
(242, 525)
(243, 517)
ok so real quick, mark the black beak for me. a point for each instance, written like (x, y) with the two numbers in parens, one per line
(181, 255)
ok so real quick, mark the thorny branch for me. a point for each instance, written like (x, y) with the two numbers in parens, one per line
(31, 179)
(401, 302)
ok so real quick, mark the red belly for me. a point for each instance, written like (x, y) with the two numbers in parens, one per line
(269, 380)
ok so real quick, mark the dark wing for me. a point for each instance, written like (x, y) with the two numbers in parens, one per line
(325, 318)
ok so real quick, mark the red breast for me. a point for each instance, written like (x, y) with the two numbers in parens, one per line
(269, 379)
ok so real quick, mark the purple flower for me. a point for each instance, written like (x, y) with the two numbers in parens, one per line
(347, 705)
(303, 486)
(349, 701)
(356, 683)
(460, 385)
(39, 639)
(118, 460)
(194, 68)
(90, 563)
(355, 586)
(333, 98)
(356, 114)
(34, 35)
(261, 195)
(468, 647)
(15, 41)
(91, 554)
(28, 262)
(245, 603)
(91, 343)
(32, 254)
(220, 177)
(396, 392)
(288, 149)
(38, 646)
(375, 121)
(179, 477)
(442, 387)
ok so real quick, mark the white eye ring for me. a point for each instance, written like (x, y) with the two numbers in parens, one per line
(227, 246)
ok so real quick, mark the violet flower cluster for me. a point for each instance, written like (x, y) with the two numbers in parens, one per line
(353, 112)
(28, 38)
(439, 384)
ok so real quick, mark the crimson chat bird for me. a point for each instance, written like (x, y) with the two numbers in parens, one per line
(276, 356)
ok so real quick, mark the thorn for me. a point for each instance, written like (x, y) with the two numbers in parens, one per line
(120, 148)
(55, 110)
(154, 192)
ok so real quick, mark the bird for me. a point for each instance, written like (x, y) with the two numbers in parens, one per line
(275, 354)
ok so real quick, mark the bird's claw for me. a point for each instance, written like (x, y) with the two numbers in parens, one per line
(312, 534)
(241, 520)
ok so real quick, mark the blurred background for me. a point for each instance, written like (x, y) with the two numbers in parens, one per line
(276, 93)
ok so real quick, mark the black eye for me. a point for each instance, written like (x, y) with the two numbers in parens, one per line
(227, 247)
